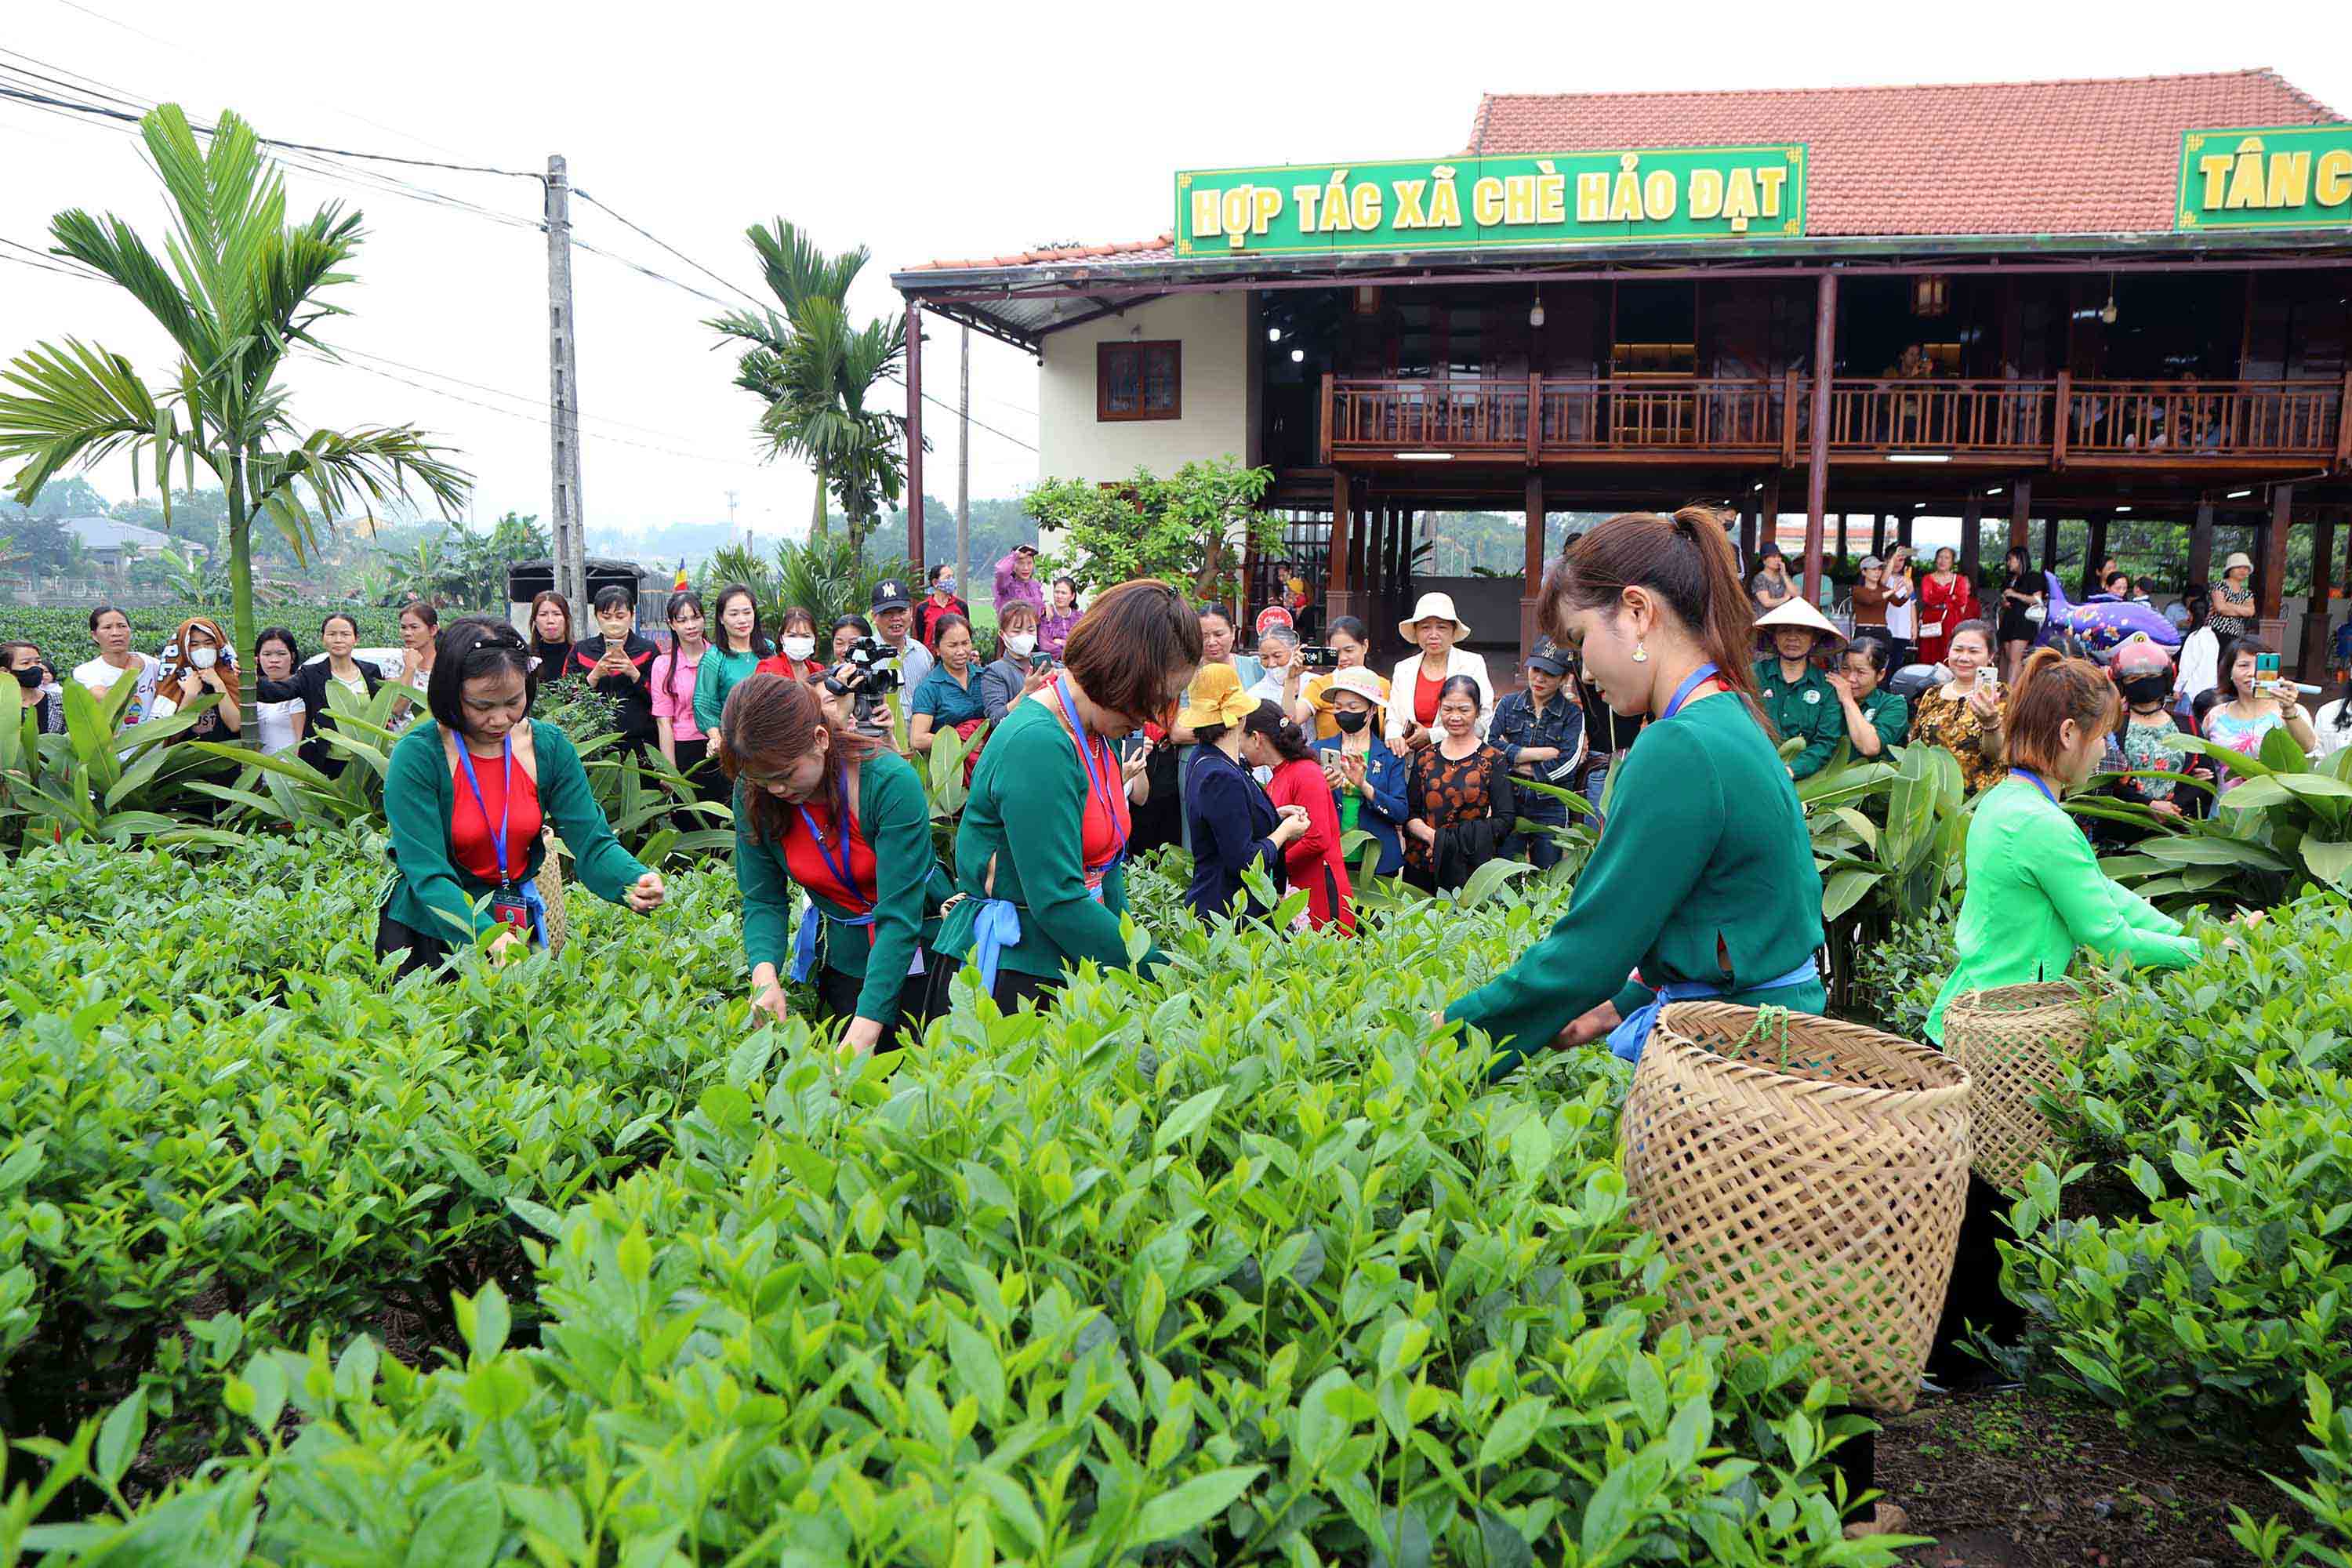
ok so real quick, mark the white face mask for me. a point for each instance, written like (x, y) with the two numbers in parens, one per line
(204, 658)
(1020, 644)
(799, 647)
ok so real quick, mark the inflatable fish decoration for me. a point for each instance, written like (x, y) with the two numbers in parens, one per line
(2103, 620)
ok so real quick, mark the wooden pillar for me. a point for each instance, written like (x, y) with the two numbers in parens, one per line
(1339, 584)
(1971, 535)
(1529, 591)
(2270, 572)
(1817, 462)
(1842, 546)
(2094, 551)
(1751, 510)
(2313, 662)
(1768, 515)
(1878, 534)
(2021, 513)
(2049, 544)
(914, 436)
(1903, 526)
(2200, 545)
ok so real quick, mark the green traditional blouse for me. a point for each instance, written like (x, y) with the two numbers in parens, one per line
(1024, 815)
(718, 673)
(434, 895)
(1713, 864)
(894, 819)
(1888, 714)
(2036, 894)
(1807, 707)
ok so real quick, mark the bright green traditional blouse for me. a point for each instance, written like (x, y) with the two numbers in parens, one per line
(2036, 894)
(1026, 814)
(718, 673)
(894, 817)
(1712, 863)
(1808, 707)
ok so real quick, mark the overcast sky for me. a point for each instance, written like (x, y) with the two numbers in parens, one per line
(920, 131)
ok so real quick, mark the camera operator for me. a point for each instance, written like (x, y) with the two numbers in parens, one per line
(858, 688)
(894, 619)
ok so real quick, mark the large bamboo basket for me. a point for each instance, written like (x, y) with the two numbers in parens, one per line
(550, 892)
(2015, 1043)
(1808, 1192)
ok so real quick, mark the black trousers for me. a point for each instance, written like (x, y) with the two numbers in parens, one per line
(1012, 988)
(920, 999)
(416, 950)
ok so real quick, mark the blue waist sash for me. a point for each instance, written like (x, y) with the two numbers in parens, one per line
(995, 926)
(1627, 1038)
(805, 939)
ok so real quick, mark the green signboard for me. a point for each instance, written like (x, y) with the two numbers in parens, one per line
(1484, 202)
(2274, 176)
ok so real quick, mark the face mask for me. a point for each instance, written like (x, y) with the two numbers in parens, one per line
(1350, 722)
(2145, 690)
(30, 679)
(945, 585)
(1020, 644)
(204, 658)
(799, 647)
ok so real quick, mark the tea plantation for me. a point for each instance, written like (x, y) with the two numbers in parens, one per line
(569, 1263)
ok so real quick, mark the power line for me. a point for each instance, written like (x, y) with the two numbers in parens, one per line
(674, 250)
(535, 399)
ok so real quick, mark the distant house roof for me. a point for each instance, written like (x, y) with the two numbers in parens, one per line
(2099, 156)
(106, 534)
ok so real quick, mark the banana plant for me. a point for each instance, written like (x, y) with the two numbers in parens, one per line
(99, 780)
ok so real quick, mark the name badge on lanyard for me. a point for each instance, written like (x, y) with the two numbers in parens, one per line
(1101, 776)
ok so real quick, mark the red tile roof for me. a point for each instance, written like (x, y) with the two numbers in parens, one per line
(1160, 249)
(2089, 156)
(2035, 157)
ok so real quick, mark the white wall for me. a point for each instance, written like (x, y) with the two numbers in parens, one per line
(1217, 398)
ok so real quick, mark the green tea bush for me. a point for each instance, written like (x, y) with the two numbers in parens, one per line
(218, 1106)
(1238, 1264)
(1896, 979)
(2222, 1092)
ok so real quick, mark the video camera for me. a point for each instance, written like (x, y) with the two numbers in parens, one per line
(1318, 656)
(866, 674)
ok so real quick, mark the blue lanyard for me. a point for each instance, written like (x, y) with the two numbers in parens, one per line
(506, 775)
(1097, 778)
(2036, 780)
(1691, 683)
(840, 868)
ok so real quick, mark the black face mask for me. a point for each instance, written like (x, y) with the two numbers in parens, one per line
(2146, 690)
(1350, 722)
(30, 678)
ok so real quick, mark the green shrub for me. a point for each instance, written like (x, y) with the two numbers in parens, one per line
(2221, 1092)
(216, 1102)
(1896, 979)
(1237, 1264)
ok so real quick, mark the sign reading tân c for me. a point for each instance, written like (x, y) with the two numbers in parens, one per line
(2280, 176)
(1445, 204)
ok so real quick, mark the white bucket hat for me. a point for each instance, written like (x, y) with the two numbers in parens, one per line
(1433, 607)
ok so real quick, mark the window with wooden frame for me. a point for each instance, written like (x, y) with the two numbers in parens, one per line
(1139, 381)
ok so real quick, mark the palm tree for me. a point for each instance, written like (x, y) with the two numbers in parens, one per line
(814, 372)
(240, 294)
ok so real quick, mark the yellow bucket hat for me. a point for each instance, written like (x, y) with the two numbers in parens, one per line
(1216, 697)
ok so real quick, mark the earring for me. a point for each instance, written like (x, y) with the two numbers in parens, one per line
(1641, 653)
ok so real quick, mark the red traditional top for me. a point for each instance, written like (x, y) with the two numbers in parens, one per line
(472, 827)
(804, 857)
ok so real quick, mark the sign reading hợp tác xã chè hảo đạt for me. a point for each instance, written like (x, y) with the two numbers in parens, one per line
(1485, 202)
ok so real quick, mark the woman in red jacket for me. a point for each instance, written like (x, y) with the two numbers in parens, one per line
(1945, 599)
(1313, 859)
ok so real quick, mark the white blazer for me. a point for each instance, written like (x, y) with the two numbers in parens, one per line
(1461, 661)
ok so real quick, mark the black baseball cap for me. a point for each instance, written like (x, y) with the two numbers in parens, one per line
(1549, 657)
(891, 595)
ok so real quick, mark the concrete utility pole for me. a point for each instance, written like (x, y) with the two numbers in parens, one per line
(563, 394)
(963, 475)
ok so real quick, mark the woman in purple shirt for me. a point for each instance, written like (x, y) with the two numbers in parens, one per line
(1054, 626)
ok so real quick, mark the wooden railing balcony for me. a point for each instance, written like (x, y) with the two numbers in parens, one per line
(2056, 419)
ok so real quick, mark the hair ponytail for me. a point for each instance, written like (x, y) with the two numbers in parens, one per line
(2052, 689)
(1288, 741)
(1686, 561)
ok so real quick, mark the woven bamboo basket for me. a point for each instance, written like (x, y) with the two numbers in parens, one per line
(1809, 1187)
(2015, 1043)
(550, 892)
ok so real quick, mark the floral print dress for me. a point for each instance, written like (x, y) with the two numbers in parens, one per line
(1445, 791)
(1951, 723)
